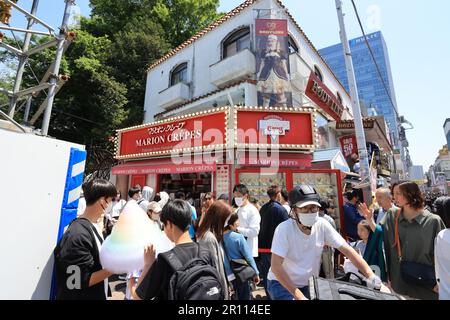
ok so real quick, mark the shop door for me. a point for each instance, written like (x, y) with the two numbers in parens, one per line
(138, 180)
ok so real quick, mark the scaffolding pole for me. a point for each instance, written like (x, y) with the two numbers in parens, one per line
(54, 74)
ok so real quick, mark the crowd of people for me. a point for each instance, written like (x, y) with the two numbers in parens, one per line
(398, 244)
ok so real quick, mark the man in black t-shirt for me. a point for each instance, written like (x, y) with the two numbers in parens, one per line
(155, 278)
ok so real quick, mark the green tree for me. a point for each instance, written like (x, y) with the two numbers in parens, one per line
(180, 19)
(91, 105)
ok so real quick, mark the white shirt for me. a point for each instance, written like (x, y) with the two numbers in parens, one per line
(81, 206)
(288, 209)
(117, 209)
(382, 213)
(301, 252)
(249, 221)
(442, 263)
(99, 247)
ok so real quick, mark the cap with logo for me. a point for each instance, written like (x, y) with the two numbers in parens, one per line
(303, 195)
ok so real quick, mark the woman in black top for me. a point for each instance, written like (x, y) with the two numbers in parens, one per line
(79, 274)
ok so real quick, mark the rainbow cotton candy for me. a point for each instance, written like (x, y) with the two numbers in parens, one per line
(123, 250)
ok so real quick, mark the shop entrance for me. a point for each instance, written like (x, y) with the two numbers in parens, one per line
(193, 184)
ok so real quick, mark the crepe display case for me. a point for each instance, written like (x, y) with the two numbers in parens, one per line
(258, 183)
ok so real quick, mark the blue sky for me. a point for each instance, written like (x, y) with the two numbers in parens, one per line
(417, 35)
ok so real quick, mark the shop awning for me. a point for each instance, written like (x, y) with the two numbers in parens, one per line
(161, 166)
(334, 157)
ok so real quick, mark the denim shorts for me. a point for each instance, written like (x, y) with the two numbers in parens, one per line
(278, 292)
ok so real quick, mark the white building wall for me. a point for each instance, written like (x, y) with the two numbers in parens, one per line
(206, 51)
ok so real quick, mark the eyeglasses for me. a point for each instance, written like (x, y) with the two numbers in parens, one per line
(311, 208)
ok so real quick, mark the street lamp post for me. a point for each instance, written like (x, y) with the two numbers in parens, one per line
(359, 128)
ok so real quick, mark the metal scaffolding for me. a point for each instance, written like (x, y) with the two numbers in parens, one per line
(52, 80)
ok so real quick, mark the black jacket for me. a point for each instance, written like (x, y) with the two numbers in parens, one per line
(78, 248)
(272, 214)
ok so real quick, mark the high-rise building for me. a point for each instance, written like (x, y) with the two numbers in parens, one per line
(447, 130)
(370, 87)
(416, 173)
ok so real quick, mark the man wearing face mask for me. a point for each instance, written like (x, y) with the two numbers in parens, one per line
(249, 217)
(79, 249)
(297, 248)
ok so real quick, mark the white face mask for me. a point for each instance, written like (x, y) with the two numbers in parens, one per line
(239, 201)
(108, 207)
(155, 216)
(308, 219)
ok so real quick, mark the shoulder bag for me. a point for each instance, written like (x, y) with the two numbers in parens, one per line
(240, 268)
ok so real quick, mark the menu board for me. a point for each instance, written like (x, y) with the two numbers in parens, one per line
(258, 183)
(326, 185)
(222, 180)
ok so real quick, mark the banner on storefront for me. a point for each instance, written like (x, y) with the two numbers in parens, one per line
(349, 147)
(323, 97)
(189, 133)
(265, 128)
(272, 63)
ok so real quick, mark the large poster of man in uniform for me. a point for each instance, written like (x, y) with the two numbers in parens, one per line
(272, 63)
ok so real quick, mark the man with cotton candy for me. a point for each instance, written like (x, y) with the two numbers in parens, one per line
(123, 251)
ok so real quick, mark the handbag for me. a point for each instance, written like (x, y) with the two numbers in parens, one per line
(414, 272)
(240, 268)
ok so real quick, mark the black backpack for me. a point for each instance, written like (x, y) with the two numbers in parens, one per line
(195, 280)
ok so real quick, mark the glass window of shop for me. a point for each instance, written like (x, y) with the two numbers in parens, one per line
(323, 129)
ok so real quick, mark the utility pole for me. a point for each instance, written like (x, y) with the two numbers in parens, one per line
(54, 73)
(359, 128)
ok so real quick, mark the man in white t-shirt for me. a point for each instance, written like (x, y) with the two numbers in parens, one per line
(249, 218)
(297, 248)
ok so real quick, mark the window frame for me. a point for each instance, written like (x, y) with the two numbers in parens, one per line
(318, 73)
(234, 37)
(183, 66)
(293, 43)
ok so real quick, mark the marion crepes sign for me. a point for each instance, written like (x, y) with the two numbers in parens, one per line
(204, 130)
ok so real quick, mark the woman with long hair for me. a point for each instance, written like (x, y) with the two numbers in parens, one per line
(409, 234)
(211, 232)
(236, 247)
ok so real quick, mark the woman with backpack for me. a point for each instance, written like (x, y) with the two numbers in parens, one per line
(236, 247)
(211, 232)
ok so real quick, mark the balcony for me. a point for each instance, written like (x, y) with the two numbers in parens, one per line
(174, 95)
(238, 67)
(300, 72)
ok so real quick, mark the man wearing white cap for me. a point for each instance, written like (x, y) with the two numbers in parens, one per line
(297, 247)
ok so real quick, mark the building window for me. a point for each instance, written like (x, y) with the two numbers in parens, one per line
(236, 42)
(318, 73)
(293, 48)
(339, 97)
(179, 74)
